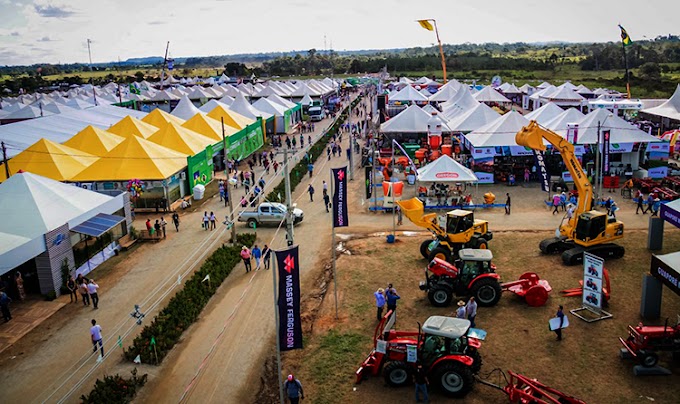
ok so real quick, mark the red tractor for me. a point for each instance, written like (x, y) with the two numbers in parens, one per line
(644, 341)
(473, 274)
(448, 354)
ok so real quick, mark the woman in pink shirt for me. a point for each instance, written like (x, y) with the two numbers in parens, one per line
(245, 254)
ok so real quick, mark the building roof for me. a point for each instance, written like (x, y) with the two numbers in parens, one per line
(181, 139)
(94, 141)
(159, 118)
(231, 118)
(130, 126)
(49, 159)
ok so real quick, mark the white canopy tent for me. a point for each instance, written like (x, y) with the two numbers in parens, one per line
(407, 94)
(544, 113)
(500, 132)
(560, 123)
(185, 109)
(621, 130)
(474, 118)
(445, 169)
(489, 94)
(281, 101)
(411, 120)
(243, 107)
(669, 109)
(463, 101)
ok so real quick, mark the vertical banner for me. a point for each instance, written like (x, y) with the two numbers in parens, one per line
(542, 172)
(340, 197)
(290, 323)
(606, 134)
(593, 274)
(369, 182)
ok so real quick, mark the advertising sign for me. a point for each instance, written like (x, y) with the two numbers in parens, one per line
(478, 152)
(662, 147)
(593, 273)
(521, 151)
(657, 172)
(484, 178)
(606, 135)
(200, 167)
(290, 322)
(369, 182)
(566, 176)
(665, 273)
(340, 197)
(542, 171)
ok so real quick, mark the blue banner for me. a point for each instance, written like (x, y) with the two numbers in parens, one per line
(290, 322)
(542, 172)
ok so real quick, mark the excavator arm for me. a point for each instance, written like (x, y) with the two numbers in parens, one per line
(532, 136)
(414, 210)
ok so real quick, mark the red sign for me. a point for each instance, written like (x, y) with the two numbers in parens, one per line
(446, 175)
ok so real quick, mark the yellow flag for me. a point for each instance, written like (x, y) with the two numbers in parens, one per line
(426, 24)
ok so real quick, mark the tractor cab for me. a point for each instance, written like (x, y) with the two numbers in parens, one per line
(472, 263)
(459, 221)
(443, 336)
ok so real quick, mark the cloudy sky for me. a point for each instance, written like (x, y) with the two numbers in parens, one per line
(47, 31)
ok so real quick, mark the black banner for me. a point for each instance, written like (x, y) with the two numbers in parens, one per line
(541, 171)
(340, 197)
(668, 275)
(369, 182)
(606, 134)
(290, 323)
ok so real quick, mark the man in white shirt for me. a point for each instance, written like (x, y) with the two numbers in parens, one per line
(96, 334)
(92, 290)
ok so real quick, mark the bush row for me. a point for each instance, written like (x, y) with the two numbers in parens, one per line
(115, 389)
(185, 307)
(298, 172)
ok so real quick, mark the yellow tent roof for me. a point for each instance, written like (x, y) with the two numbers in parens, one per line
(209, 127)
(231, 118)
(181, 139)
(158, 118)
(51, 160)
(93, 140)
(130, 126)
(135, 158)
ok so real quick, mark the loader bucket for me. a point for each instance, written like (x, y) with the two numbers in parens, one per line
(531, 137)
(414, 210)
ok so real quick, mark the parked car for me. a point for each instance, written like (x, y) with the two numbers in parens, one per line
(269, 213)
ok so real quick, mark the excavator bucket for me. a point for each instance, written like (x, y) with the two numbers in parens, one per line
(530, 136)
(414, 210)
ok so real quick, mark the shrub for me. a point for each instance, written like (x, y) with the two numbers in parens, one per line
(115, 389)
(185, 307)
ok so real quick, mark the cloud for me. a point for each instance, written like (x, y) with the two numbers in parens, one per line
(157, 22)
(15, 33)
(52, 11)
(45, 39)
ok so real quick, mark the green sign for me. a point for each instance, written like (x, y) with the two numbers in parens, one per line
(247, 141)
(287, 121)
(200, 167)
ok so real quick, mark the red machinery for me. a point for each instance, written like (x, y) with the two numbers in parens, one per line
(448, 354)
(523, 390)
(644, 341)
(606, 290)
(529, 286)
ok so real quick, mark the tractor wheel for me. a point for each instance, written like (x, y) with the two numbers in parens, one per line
(454, 379)
(477, 358)
(487, 292)
(440, 296)
(397, 374)
(649, 359)
(423, 248)
(482, 244)
(252, 223)
(442, 253)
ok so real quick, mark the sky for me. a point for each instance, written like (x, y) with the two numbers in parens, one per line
(46, 31)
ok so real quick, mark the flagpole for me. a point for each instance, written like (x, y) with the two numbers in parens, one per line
(275, 270)
(165, 60)
(335, 277)
(394, 209)
(625, 62)
(441, 50)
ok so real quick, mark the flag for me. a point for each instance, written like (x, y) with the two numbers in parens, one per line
(426, 24)
(606, 137)
(207, 278)
(138, 359)
(410, 162)
(120, 341)
(625, 39)
(340, 197)
(153, 341)
(290, 322)
(542, 172)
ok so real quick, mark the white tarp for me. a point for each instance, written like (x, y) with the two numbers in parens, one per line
(407, 94)
(445, 169)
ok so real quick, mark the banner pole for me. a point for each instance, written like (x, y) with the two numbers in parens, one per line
(276, 325)
(394, 208)
(335, 277)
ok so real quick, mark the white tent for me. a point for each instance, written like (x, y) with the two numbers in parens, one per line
(56, 108)
(445, 93)
(560, 123)
(424, 81)
(543, 85)
(306, 100)
(445, 169)
(474, 118)
(164, 95)
(563, 96)
(198, 93)
(271, 107)
(411, 120)
(500, 132)
(408, 94)
(185, 109)
(430, 109)
(243, 107)
(489, 94)
(31, 206)
(544, 113)
(463, 101)
(526, 89)
(210, 105)
(621, 131)
(29, 112)
(281, 101)
(226, 100)
(669, 109)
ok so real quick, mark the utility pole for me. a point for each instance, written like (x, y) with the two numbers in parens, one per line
(596, 174)
(89, 52)
(229, 196)
(165, 61)
(349, 122)
(289, 208)
(4, 159)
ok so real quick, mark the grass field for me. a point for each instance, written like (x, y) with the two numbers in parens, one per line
(585, 364)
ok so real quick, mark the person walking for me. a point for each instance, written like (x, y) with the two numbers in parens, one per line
(20, 286)
(471, 311)
(379, 301)
(556, 203)
(507, 203)
(310, 189)
(92, 291)
(96, 335)
(650, 203)
(327, 201)
(294, 142)
(175, 220)
(157, 228)
(266, 256)
(206, 220)
(560, 315)
(257, 254)
(245, 255)
(293, 389)
(460, 312)
(421, 382)
(656, 205)
(640, 206)
(84, 294)
(163, 224)
(72, 289)
(213, 221)
(400, 216)
(310, 168)
(4, 306)
(325, 187)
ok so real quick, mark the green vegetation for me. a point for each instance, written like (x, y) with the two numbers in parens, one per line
(115, 389)
(333, 348)
(185, 307)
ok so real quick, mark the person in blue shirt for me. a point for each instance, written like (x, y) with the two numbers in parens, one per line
(293, 389)
(257, 254)
(560, 315)
(392, 298)
(656, 205)
(310, 168)
(380, 301)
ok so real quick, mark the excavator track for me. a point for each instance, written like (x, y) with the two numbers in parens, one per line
(555, 245)
(574, 256)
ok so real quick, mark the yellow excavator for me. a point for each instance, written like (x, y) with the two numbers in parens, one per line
(457, 230)
(587, 230)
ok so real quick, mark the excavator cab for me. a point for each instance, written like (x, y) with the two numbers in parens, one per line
(590, 226)
(459, 221)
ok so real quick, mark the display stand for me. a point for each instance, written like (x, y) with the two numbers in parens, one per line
(599, 314)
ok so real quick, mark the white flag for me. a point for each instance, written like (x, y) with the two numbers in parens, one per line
(179, 279)
(138, 359)
(207, 278)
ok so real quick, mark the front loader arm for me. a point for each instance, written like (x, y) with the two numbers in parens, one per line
(414, 210)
